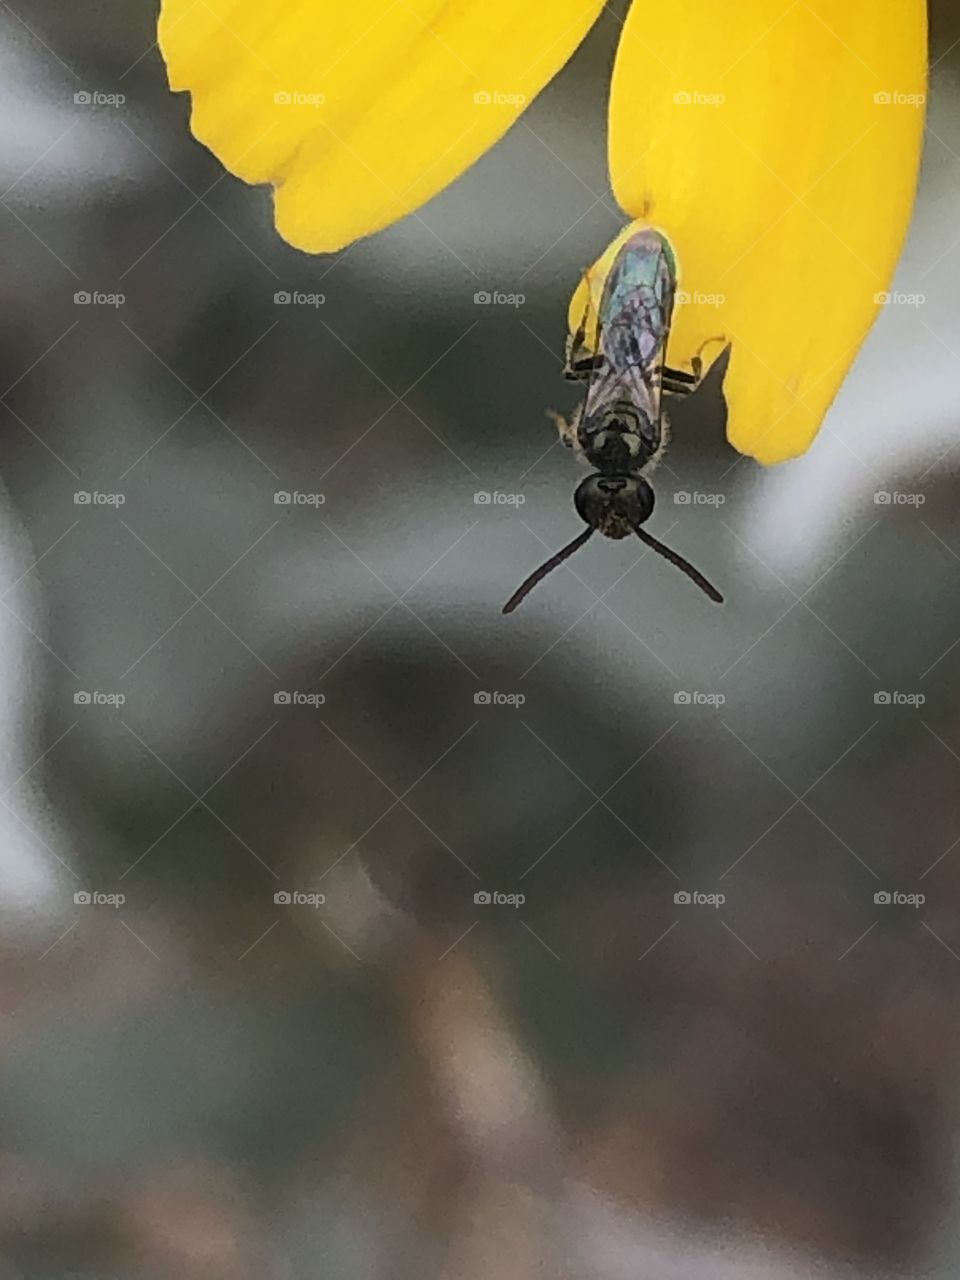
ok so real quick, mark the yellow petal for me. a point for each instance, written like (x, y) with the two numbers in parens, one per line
(777, 146)
(358, 113)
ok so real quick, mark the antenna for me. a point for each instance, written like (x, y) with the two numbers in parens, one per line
(538, 575)
(676, 559)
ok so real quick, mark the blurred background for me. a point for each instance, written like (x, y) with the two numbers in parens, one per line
(350, 929)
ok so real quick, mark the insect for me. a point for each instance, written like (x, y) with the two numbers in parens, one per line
(620, 426)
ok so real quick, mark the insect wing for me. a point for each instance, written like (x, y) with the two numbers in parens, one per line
(634, 324)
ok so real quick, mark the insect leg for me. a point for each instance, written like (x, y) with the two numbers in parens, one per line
(580, 370)
(566, 430)
(677, 388)
(678, 375)
(677, 382)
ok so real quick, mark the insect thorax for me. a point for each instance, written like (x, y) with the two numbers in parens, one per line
(619, 441)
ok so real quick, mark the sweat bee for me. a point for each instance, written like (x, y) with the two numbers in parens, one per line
(619, 426)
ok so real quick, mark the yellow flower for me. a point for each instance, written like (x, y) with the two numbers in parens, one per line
(777, 145)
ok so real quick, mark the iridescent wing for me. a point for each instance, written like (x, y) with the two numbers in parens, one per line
(632, 330)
